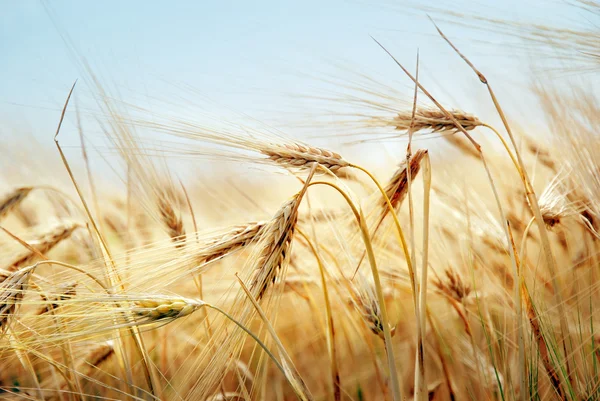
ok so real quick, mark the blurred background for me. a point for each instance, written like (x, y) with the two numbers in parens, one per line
(264, 60)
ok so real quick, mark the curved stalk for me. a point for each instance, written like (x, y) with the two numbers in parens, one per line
(335, 374)
(422, 326)
(506, 147)
(69, 266)
(533, 204)
(258, 341)
(112, 273)
(523, 250)
(291, 372)
(399, 231)
(378, 289)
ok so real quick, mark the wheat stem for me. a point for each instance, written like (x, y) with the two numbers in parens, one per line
(292, 373)
(335, 374)
(399, 232)
(138, 341)
(505, 144)
(531, 197)
(378, 289)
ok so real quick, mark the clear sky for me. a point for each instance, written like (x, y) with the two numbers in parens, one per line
(246, 55)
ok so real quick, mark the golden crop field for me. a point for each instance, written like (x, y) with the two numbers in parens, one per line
(310, 272)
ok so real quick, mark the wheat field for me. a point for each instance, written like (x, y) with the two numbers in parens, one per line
(475, 277)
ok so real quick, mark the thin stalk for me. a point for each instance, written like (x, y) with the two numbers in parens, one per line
(420, 386)
(378, 289)
(26, 362)
(531, 197)
(422, 326)
(86, 160)
(399, 231)
(197, 277)
(138, 341)
(443, 362)
(505, 144)
(523, 251)
(335, 374)
(254, 337)
(513, 256)
(534, 320)
(291, 372)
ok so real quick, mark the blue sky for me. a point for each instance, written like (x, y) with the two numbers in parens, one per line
(249, 56)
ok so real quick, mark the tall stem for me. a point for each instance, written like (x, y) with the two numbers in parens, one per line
(378, 289)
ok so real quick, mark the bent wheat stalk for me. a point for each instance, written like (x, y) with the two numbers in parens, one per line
(335, 375)
(358, 214)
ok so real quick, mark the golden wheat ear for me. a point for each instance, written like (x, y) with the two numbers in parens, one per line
(12, 290)
(433, 120)
(397, 187)
(11, 200)
(366, 303)
(156, 309)
(278, 234)
(234, 239)
(297, 156)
